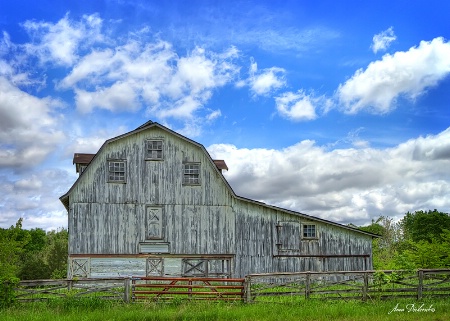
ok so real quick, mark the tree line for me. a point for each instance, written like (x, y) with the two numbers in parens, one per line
(33, 254)
(419, 240)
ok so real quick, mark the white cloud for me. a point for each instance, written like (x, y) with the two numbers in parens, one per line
(59, 43)
(344, 185)
(214, 115)
(300, 106)
(121, 96)
(29, 129)
(264, 82)
(28, 183)
(296, 106)
(35, 199)
(383, 40)
(408, 74)
(127, 76)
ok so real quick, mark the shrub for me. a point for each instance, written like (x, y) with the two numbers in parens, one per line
(7, 292)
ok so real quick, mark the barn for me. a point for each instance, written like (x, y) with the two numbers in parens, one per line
(152, 202)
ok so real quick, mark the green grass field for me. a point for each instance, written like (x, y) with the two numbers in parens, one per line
(335, 310)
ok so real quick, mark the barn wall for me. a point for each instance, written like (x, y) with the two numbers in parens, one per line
(110, 218)
(259, 229)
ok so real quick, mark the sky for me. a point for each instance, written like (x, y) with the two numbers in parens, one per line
(336, 109)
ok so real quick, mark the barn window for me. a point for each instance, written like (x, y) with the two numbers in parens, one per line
(191, 174)
(154, 150)
(116, 171)
(309, 231)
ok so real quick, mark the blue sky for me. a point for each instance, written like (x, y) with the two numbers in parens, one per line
(338, 109)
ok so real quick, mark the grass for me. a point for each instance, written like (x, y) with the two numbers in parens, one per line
(336, 310)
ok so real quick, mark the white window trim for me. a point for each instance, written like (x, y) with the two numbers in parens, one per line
(192, 175)
(147, 154)
(316, 233)
(108, 172)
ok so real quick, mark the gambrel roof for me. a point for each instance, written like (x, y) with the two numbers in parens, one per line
(218, 166)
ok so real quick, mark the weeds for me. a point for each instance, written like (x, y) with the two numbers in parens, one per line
(74, 309)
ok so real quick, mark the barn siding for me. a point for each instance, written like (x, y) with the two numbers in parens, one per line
(111, 218)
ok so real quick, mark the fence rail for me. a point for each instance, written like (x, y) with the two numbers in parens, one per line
(39, 290)
(165, 288)
(359, 285)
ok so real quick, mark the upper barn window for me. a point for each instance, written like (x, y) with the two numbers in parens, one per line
(191, 174)
(117, 171)
(154, 149)
(309, 231)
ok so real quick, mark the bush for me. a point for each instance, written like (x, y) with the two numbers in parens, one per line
(7, 292)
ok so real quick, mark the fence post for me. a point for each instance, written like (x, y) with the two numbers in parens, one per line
(420, 286)
(127, 290)
(307, 285)
(365, 288)
(247, 290)
(190, 288)
(69, 284)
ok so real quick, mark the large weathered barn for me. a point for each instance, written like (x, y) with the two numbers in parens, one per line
(153, 202)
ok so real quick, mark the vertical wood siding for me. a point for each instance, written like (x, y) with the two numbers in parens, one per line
(111, 218)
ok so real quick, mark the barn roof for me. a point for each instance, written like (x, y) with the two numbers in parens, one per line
(83, 159)
(219, 165)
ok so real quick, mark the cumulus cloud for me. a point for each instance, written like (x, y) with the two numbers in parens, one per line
(296, 106)
(151, 73)
(35, 199)
(60, 42)
(360, 183)
(263, 82)
(29, 129)
(404, 74)
(300, 106)
(383, 40)
(124, 73)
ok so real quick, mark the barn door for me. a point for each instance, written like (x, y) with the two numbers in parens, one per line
(155, 228)
(288, 236)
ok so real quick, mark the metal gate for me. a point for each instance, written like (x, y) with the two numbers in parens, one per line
(164, 288)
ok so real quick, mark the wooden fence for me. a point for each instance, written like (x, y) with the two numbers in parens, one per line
(165, 288)
(281, 287)
(359, 285)
(39, 290)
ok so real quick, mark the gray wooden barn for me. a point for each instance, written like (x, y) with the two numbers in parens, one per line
(152, 202)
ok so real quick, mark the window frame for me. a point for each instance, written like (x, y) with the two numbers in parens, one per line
(191, 175)
(149, 151)
(306, 228)
(109, 173)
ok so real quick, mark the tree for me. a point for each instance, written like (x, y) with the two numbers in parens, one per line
(57, 252)
(385, 248)
(12, 242)
(434, 254)
(424, 226)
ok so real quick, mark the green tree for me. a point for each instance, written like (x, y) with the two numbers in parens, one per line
(424, 226)
(427, 255)
(386, 248)
(12, 243)
(33, 265)
(57, 252)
